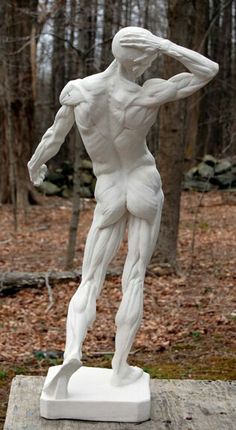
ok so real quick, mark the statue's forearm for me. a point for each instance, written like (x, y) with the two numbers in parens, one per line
(52, 139)
(45, 150)
(195, 62)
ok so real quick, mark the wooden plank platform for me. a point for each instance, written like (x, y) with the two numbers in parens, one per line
(176, 405)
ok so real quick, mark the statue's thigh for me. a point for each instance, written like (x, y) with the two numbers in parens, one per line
(143, 233)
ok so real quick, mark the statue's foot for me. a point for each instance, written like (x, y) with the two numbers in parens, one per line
(57, 387)
(127, 375)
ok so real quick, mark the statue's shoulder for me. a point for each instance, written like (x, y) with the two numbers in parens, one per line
(95, 84)
(157, 86)
(79, 90)
(72, 93)
(153, 83)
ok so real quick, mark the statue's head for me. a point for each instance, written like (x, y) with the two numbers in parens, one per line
(135, 57)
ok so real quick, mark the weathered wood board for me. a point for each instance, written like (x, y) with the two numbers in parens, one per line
(176, 405)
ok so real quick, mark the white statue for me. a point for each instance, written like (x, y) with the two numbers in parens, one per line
(114, 115)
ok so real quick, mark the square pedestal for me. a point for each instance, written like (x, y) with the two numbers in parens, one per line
(91, 397)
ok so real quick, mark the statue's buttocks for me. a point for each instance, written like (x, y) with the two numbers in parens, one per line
(137, 192)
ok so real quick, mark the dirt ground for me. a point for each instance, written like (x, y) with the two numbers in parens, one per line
(188, 329)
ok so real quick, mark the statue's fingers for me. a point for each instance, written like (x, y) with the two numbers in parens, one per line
(44, 169)
(128, 44)
(136, 45)
(133, 39)
(37, 182)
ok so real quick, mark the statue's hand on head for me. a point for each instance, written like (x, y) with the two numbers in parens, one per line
(147, 42)
(37, 176)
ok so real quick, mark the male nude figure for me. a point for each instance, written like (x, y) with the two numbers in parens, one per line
(114, 115)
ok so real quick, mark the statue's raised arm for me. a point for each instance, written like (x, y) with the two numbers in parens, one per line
(202, 69)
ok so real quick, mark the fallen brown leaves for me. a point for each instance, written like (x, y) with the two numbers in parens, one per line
(183, 309)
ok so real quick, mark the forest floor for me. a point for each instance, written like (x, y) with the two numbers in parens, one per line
(188, 328)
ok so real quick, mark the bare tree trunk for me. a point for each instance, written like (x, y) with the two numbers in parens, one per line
(128, 11)
(59, 54)
(92, 27)
(106, 56)
(210, 136)
(232, 150)
(11, 152)
(79, 150)
(215, 122)
(75, 204)
(226, 95)
(171, 154)
(117, 21)
(4, 159)
(146, 13)
(58, 78)
(17, 105)
(200, 21)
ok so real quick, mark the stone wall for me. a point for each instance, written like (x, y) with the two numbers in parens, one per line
(210, 174)
(60, 181)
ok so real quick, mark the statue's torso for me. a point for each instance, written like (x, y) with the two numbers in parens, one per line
(113, 123)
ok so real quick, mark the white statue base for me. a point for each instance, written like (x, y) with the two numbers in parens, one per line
(92, 397)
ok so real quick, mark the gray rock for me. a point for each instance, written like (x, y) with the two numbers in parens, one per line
(233, 170)
(85, 192)
(193, 172)
(52, 354)
(222, 166)
(209, 160)
(224, 180)
(49, 189)
(86, 164)
(205, 171)
(67, 168)
(86, 178)
(67, 193)
(56, 178)
(58, 170)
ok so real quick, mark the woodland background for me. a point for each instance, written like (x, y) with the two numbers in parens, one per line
(188, 333)
(46, 43)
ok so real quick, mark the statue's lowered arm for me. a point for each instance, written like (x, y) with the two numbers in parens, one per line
(50, 143)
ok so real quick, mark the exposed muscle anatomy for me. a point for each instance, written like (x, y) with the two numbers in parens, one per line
(114, 115)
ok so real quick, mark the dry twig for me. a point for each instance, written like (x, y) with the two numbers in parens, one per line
(50, 295)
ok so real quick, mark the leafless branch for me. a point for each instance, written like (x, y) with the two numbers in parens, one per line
(50, 295)
(212, 23)
(195, 229)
